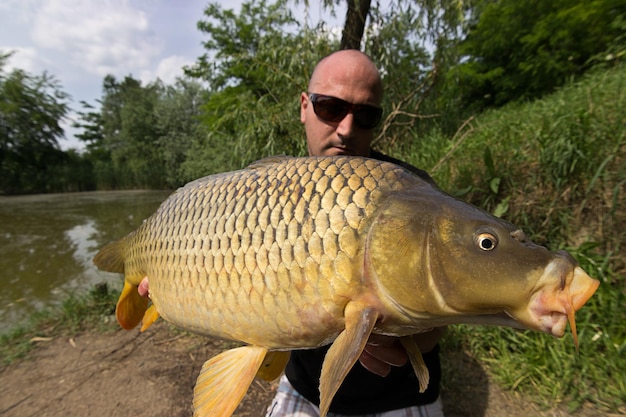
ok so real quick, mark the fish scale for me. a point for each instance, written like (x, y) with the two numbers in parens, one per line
(295, 253)
(275, 237)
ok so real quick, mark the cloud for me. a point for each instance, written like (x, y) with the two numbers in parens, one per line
(172, 67)
(105, 37)
(23, 58)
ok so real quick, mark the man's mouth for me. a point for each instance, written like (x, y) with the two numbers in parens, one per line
(339, 150)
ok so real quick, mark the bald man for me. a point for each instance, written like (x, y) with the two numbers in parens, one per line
(340, 111)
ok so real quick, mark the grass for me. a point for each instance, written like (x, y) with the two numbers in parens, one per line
(557, 168)
(93, 311)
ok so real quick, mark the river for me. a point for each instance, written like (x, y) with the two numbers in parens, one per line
(48, 241)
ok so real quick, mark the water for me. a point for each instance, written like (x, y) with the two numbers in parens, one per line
(47, 243)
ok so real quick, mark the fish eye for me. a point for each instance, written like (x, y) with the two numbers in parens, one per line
(486, 241)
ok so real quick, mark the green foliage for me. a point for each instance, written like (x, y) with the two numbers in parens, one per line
(177, 113)
(141, 135)
(519, 50)
(130, 132)
(257, 69)
(31, 109)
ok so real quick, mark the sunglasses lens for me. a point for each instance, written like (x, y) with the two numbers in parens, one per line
(333, 109)
(367, 117)
(330, 108)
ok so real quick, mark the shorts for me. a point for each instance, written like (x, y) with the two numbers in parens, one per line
(289, 403)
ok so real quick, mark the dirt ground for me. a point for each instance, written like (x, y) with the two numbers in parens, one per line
(126, 373)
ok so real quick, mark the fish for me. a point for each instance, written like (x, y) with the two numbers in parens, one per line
(302, 252)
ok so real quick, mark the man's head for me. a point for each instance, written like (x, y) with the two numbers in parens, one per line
(351, 76)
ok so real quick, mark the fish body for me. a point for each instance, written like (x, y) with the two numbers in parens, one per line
(296, 253)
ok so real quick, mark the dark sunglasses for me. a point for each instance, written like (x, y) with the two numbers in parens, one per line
(333, 109)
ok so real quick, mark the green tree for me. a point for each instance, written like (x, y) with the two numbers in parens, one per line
(255, 66)
(178, 122)
(31, 110)
(130, 133)
(524, 49)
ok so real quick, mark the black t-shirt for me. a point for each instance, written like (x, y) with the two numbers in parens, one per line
(362, 391)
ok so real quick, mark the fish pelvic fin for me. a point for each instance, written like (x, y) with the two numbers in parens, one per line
(345, 350)
(417, 361)
(224, 380)
(111, 257)
(150, 316)
(130, 307)
(273, 365)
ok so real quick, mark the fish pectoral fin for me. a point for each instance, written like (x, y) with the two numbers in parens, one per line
(111, 257)
(417, 361)
(130, 307)
(224, 380)
(273, 365)
(150, 316)
(345, 351)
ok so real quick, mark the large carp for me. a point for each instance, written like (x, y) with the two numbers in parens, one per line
(296, 253)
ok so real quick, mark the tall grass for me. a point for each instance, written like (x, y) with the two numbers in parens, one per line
(557, 168)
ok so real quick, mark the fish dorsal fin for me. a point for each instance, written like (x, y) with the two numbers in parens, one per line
(130, 307)
(224, 380)
(417, 361)
(111, 257)
(270, 160)
(345, 350)
(150, 316)
(273, 365)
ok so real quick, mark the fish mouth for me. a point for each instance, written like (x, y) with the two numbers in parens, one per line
(556, 302)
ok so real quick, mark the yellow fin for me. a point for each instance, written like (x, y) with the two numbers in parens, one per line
(415, 356)
(345, 350)
(111, 257)
(150, 316)
(273, 365)
(224, 380)
(130, 307)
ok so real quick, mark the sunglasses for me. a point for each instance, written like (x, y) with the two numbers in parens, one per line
(333, 109)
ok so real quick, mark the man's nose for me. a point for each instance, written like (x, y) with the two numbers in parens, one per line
(346, 125)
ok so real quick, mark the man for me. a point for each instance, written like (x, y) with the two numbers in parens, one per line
(340, 111)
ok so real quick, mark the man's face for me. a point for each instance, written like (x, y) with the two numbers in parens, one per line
(344, 137)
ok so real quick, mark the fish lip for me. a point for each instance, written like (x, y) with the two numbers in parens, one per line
(563, 289)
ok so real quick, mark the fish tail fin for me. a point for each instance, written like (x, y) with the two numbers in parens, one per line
(150, 316)
(131, 307)
(111, 257)
(224, 380)
(273, 365)
(417, 361)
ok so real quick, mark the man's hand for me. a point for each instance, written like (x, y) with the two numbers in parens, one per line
(144, 288)
(383, 352)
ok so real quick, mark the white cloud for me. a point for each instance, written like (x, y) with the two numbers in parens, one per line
(106, 37)
(23, 58)
(172, 67)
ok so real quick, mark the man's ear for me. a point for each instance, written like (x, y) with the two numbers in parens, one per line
(304, 102)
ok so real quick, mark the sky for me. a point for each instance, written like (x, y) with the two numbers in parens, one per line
(79, 42)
